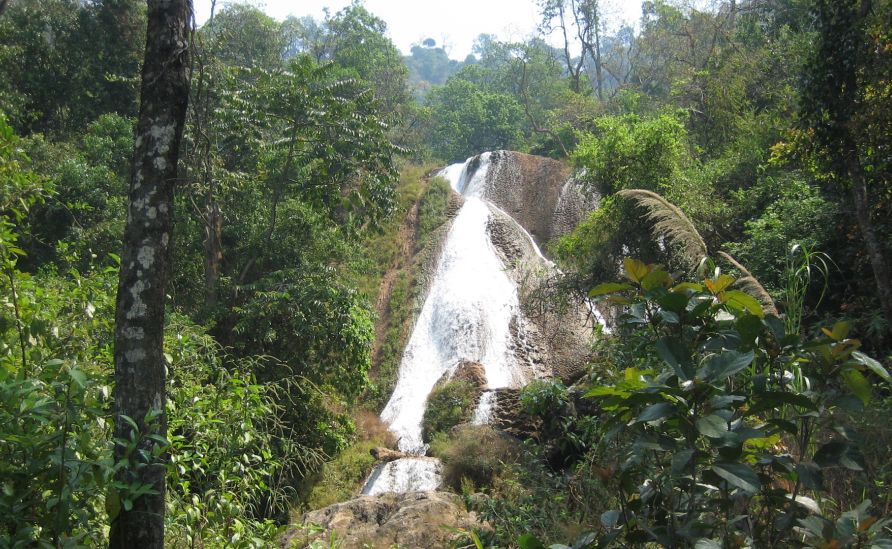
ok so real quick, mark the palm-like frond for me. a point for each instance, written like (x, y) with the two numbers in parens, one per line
(751, 285)
(670, 222)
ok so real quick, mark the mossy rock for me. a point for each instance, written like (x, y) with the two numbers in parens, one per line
(448, 405)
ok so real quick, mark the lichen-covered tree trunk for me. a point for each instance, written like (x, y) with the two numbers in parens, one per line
(145, 263)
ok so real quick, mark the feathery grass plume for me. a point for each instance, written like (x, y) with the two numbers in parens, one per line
(670, 222)
(751, 285)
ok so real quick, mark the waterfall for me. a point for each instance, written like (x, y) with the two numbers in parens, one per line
(466, 316)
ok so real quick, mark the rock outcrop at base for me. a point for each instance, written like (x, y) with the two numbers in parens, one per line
(412, 520)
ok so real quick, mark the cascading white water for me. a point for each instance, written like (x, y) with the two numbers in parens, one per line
(466, 317)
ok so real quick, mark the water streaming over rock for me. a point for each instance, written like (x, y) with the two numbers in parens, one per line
(466, 315)
(471, 313)
(415, 474)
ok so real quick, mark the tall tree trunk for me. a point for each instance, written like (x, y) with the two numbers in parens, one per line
(140, 375)
(213, 250)
(875, 248)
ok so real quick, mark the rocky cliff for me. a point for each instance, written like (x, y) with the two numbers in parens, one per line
(539, 193)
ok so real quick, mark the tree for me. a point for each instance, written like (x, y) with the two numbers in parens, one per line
(355, 40)
(470, 119)
(243, 36)
(846, 100)
(585, 17)
(140, 365)
(63, 63)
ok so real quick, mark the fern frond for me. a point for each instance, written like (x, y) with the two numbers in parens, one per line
(751, 285)
(670, 222)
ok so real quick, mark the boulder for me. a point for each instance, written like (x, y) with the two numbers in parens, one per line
(412, 520)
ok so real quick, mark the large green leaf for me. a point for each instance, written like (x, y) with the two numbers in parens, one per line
(839, 453)
(725, 364)
(872, 365)
(529, 541)
(635, 270)
(676, 302)
(857, 384)
(770, 400)
(741, 301)
(681, 460)
(675, 355)
(739, 475)
(610, 518)
(656, 279)
(712, 426)
(608, 288)
(658, 411)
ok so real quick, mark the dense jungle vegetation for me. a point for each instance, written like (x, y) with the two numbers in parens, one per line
(743, 156)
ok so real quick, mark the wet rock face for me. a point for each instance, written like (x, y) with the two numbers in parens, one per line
(538, 192)
(553, 335)
(411, 520)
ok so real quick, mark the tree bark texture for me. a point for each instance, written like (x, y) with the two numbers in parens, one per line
(874, 245)
(140, 369)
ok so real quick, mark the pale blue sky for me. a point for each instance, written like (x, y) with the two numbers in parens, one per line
(455, 23)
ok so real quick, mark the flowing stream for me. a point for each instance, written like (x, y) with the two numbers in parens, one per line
(465, 317)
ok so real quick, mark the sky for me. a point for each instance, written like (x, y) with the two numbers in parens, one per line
(452, 23)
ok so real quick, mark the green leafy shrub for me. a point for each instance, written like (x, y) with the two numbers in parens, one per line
(528, 496)
(543, 397)
(231, 451)
(448, 405)
(475, 453)
(729, 421)
(799, 215)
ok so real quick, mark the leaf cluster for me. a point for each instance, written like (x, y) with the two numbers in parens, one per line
(727, 421)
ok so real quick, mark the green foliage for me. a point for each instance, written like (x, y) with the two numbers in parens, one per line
(622, 153)
(628, 151)
(722, 413)
(429, 66)
(54, 472)
(342, 478)
(358, 43)
(543, 397)
(432, 209)
(448, 404)
(64, 63)
(230, 448)
(799, 215)
(530, 497)
(243, 36)
(468, 120)
(322, 332)
(88, 208)
(54, 357)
